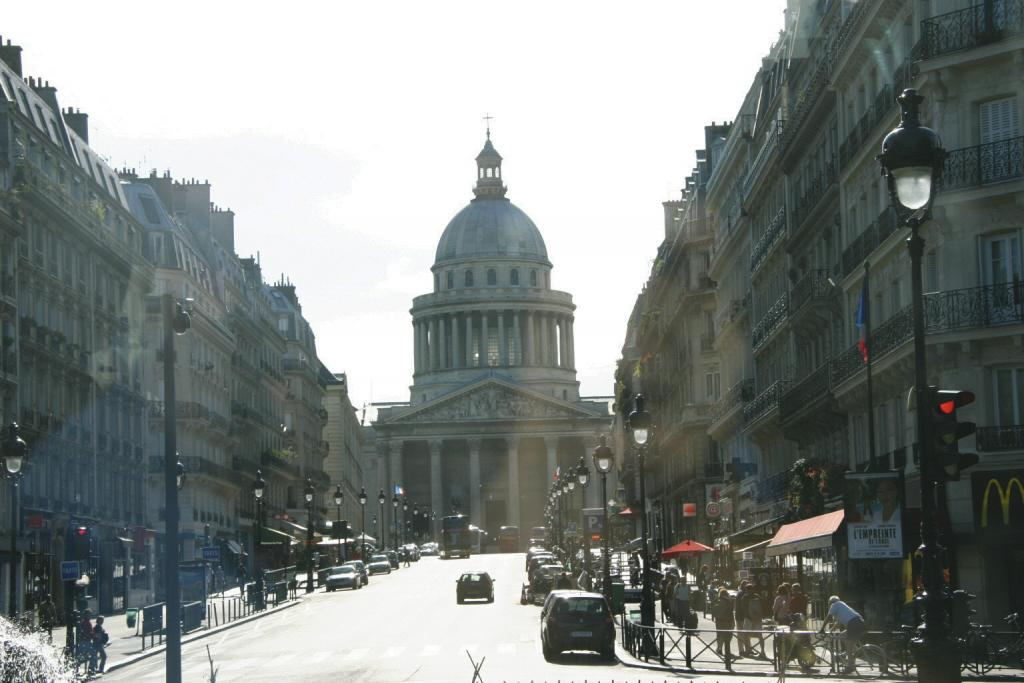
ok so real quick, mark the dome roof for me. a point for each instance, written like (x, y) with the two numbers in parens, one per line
(491, 228)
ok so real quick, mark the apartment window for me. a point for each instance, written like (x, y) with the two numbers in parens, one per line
(999, 120)
(1008, 396)
(149, 208)
(712, 385)
(1001, 258)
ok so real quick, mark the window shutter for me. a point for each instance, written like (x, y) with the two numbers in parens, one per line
(999, 120)
(931, 277)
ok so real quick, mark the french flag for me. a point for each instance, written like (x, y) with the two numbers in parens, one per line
(399, 490)
(862, 320)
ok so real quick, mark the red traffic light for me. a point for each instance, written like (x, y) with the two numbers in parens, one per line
(948, 400)
(82, 531)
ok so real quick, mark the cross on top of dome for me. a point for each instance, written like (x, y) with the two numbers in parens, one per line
(488, 170)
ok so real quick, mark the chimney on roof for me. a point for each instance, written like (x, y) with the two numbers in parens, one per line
(78, 122)
(48, 93)
(222, 222)
(11, 56)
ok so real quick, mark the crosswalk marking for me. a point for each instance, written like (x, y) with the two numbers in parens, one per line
(393, 651)
(430, 650)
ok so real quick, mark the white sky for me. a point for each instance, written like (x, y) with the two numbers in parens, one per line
(343, 135)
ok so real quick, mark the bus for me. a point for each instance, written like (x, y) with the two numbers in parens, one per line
(508, 539)
(477, 539)
(539, 535)
(455, 536)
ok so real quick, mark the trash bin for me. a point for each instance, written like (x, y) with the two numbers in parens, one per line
(130, 616)
(618, 596)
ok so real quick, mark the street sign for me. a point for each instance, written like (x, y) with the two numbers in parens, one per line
(713, 509)
(69, 571)
(593, 522)
(689, 509)
(35, 522)
(211, 553)
(571, 529)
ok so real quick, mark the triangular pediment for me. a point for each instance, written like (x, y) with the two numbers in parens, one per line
(491, 400)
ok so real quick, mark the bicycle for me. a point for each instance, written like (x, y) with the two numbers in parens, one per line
(866, 657)
(980, 653)
(898, 653)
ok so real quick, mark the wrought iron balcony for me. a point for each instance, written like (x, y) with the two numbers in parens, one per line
(993, 162)
(807, 392)
(772, 141)
(707, 343)
(768, 239)
(770, 321)
(814, 285)
(1001, 438)
(884, 102)
(860, 248)
(774, 487)
(813, 193)
(766, 401)
(957, 309)
(982, 24)
(737, 395)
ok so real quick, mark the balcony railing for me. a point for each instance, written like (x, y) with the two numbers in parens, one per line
(774, 487)
(771, 320)
(813, 193)
(884, 102)
(707, 343)
(807, 392)
(982, 24)
(738, 394)
(957, 309)
(993, 162)
(766, 401)
(768, 239)
(814, 285)
(1002, 438)
(861, 247)
(771, 143)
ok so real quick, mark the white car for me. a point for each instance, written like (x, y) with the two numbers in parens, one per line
(379, 564)
(343, 577)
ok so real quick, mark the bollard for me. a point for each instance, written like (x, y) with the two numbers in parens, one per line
(689, 654)
(661, 646)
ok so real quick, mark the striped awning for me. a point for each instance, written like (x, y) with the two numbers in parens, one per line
(807, 534)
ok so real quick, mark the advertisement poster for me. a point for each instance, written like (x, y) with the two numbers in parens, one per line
(873, 515)
(192, 578)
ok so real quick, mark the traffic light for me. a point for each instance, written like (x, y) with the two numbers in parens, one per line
(79, 544)
(947, 430)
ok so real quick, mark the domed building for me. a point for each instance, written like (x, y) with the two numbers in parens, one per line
(494, 408)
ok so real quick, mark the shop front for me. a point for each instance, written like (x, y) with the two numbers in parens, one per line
(992, 561)
(807, 552)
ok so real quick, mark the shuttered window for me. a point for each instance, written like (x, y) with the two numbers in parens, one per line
(999, 120)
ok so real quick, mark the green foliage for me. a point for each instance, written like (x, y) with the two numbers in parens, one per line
(806, 489)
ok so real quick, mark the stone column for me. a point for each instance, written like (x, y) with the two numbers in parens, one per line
(475, 513)
(416, 347)
(553, 332)
(432, 342)
(442, 343)
(482, 346)
(502, 341)
(457, 355)
(512, 445)
(551, 443)
(571, 347)
(542, 357)
(518, 340)
(436, 501)
(394, 465)
(468, 319)
(529, 356)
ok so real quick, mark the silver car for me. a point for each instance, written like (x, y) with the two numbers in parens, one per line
(343, 577)
(379, 564)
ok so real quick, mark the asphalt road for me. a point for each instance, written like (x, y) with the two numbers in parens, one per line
(402, 627)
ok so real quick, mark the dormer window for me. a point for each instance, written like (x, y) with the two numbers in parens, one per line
(492, 276)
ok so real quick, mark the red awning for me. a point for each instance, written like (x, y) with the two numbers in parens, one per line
(628, 512)
(686, 547)
(807, 534)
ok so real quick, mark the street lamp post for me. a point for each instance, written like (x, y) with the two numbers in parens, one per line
(394, 521)
(381, 499)
(640, 425)
(603, 464)
(570, 484)
(310, 493)
(339, 498)
(176, 321)
(415, 523)
(405, 520)
(14, 451)
(258, 487)
(583, 478)
(911, 160)
(362, 524)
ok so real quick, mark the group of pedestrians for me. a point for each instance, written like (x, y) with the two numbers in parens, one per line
(92, 643)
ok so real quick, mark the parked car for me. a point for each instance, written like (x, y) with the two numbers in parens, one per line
(534, 551)
(576, 620)
(345, 576)
(474, 585)
(360, 568)
(413, 551)
(428, 548)
(536, 561)
(392, 558)
(379, 564)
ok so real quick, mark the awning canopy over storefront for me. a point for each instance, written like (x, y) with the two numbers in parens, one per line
(628, 512)
(687, 548)
(273, 536)
(754, 533)
(757, 546)
(807, 534)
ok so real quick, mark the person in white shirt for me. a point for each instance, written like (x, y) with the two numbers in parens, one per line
(851, 621)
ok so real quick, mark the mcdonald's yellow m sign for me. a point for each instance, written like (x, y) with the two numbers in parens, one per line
(1004, 498)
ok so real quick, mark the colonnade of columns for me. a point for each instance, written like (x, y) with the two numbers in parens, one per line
(393, 449)
(493, 338)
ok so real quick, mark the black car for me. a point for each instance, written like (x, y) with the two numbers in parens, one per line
(392, 558)
(474, 585)
(576, 620)
(360, 569)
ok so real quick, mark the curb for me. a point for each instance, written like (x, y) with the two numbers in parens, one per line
(199, 635)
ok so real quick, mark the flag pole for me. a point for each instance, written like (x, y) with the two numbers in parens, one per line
(867, 359)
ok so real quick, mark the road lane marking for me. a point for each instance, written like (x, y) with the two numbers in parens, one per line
(430, 651)
(393, 651)
(507, 649)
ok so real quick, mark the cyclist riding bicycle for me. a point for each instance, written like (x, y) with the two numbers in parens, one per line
(851, 622)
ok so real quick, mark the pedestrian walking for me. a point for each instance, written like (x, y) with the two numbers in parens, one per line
(85, 652)
(780, 608)
(755, 614)
(668, 590)
(797, 600)
(99, 641)
(47, 613)
(722, 613)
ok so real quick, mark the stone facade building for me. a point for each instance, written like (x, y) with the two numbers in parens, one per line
(495, 406)
(800, 215)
